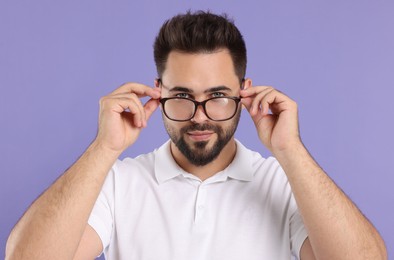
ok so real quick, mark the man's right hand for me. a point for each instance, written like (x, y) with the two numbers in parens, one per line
(64, 208)
(122, 115)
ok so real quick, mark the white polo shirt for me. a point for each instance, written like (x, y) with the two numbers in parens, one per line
(149, 208)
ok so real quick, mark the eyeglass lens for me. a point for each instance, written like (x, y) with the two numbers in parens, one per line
(216, 109)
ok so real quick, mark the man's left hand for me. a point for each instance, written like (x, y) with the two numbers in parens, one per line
(275, 116)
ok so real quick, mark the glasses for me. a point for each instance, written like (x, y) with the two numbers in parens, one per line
(184, 109)
(216, 108)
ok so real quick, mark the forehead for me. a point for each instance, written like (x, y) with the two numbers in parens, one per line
(200, 70)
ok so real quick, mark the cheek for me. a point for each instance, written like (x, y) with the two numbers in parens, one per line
(233, 123)
(172, 126)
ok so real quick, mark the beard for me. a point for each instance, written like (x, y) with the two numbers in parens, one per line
(197, 153)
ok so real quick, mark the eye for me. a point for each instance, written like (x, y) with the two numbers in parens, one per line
(218, 94)
(182, 95)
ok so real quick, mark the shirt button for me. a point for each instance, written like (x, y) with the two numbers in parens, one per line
(201, 207)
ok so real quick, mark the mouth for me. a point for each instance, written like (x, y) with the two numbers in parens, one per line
(199, 136)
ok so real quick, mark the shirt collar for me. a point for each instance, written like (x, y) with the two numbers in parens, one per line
(166, 168)
(241, 167)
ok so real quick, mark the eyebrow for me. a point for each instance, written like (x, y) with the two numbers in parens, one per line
(216, 89)
(210, 90)
(180, 89)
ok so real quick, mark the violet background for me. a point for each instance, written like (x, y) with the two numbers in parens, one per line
(335, 58)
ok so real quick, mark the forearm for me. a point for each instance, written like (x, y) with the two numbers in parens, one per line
(336, 228)
(53, 225)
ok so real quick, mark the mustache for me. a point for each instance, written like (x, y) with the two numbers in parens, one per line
(200, 127)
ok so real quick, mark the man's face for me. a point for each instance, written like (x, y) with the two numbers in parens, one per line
(199, 77)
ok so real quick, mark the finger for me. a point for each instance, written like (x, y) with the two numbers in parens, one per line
(247, 102)
(140, 108)
(277, 101)
(257, 104)
(139, 89)
(248, 92)
(150, 106)
(134, 109)
(129, 96)
(138, 114)
(125, 104)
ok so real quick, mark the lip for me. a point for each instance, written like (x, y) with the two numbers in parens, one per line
(200, 135)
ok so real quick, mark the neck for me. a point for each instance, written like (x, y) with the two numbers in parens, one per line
(224, 158)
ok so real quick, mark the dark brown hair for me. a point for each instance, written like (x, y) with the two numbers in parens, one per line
(200, 32)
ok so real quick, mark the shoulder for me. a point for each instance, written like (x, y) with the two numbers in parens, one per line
(266, 171)
(269, 182)
(131, 168)
(256, 162)
(143, 167)
(141, 162)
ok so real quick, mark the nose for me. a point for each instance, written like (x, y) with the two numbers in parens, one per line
(200, 115)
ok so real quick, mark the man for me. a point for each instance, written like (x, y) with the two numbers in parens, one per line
(202, 195)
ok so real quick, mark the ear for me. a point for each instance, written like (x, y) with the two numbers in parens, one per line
(247, 83)
(157, 83)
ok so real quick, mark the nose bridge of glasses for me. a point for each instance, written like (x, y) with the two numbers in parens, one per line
(200, 113)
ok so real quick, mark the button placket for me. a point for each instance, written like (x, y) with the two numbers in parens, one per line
(200, 203)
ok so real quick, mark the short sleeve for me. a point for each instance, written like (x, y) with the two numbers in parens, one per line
(101, 217)
(298, 233)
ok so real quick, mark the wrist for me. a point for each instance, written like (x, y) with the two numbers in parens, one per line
(288, 148)
(103, 150)
(292, 152)
(296, 158)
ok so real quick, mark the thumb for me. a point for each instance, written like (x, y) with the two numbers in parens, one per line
(247, 102)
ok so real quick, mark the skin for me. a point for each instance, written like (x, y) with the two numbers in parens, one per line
(185, 70)
(54, 227)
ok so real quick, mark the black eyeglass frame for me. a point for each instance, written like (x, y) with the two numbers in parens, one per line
(202, 103)
(196, 104)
